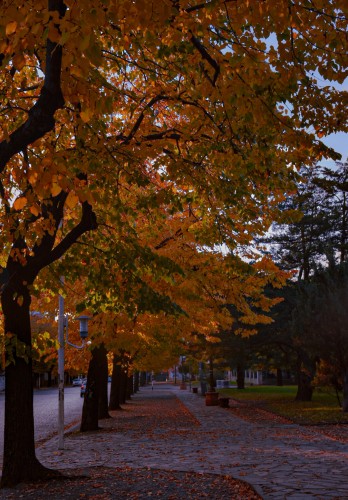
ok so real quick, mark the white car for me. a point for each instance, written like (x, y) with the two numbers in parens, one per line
(77, 382)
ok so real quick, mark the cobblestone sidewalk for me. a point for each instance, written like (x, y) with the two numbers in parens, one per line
(169, 429)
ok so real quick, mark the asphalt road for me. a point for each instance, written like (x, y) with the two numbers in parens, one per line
(46, 412)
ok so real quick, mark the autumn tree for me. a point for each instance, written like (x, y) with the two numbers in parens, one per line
(194, 94)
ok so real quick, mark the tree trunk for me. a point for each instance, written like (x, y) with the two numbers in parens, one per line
(304, 386)
(345, 392)
(136, 381)
(115, 392)
(129, 390)
(89, 421)
(103, 376)
(279, 377)
(123, 385)
(19, 461)
(240, 377)
(211, 376)
(143, 379)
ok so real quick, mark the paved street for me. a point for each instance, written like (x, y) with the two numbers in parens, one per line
(46, 411)
(280, 460)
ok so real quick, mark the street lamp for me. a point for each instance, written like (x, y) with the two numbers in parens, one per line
(83, 319)
(63, 323)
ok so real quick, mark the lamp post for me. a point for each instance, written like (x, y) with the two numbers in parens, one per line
(63, 323)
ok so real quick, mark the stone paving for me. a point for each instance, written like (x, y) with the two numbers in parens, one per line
(280, 460)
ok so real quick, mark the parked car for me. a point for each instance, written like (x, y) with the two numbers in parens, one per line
(77, 382)
(83, 387)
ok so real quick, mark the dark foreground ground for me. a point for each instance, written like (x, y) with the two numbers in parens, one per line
(103, 484)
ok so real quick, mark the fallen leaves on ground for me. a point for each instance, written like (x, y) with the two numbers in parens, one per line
(251, 413)
(102, 483)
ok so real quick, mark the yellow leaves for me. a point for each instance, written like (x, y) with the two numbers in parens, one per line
(127, 41)
(85, 195)
(85, 42)
(54, 34)
(11, 28)
(86, 115)
(34, 209)
(20, 203)
(320, 133)
(72, 200)
(55, 189)
(76, 71)
(5, 135)
(3, 46)
(32, 178)
(36, 28)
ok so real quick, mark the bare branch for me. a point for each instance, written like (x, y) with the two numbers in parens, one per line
(205, 54)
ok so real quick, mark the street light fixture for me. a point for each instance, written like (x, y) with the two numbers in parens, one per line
(63, 323)
(83, 319)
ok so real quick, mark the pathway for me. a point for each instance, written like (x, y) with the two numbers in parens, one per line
(171, 429)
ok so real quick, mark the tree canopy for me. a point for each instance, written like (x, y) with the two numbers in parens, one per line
(118, 111)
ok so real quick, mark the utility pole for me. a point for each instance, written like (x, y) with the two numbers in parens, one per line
(61, 321)
(63, 339)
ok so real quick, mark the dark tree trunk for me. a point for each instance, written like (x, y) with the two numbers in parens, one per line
(123, 385)
(304, 388)
(304, 385)
(129, 390)
(143, 379)
(136, 381)
(211, 375)
(279, 377)
(103, 383)
(19, 461)
(89, 421)
(345, 392)
(115, 392)
(240, 377)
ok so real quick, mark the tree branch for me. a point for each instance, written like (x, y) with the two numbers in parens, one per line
(41, 115)
(164, 242)
(205, 55)
(88, 222)
(129, 137)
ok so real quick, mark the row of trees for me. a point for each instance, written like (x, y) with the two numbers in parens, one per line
(316, 247)
(308, 334)
(137, 139)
